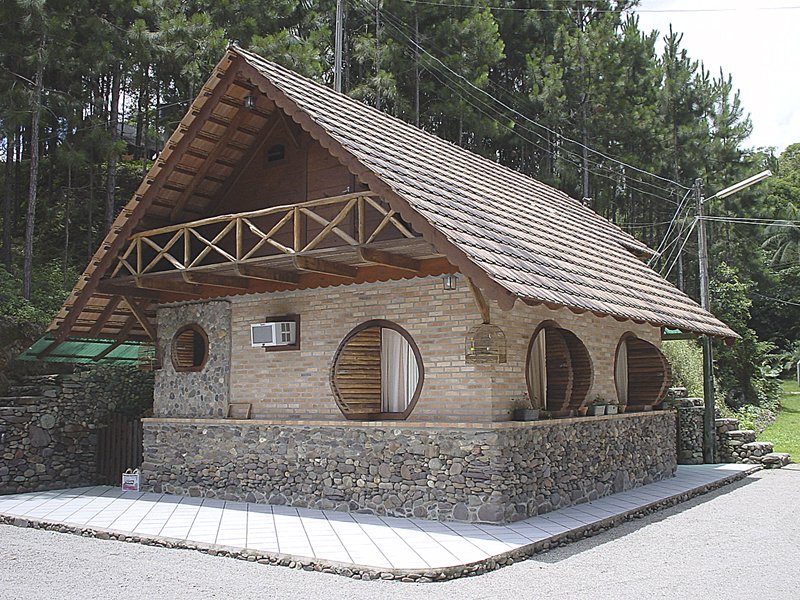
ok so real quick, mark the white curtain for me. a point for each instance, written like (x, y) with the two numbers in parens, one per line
(537, 370)
(621, 373)
(399, 371)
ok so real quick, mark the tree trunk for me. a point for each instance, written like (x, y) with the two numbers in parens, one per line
(111, 176)
(30, 218)
(7, 201)
(67, 195)
(90, 224)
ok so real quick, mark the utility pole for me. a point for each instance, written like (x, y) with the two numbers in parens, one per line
(338, 43)
(709, 416)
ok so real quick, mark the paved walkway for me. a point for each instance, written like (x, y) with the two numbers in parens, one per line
(365, 540)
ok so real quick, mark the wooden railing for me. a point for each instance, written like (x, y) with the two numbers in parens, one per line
(241, 238)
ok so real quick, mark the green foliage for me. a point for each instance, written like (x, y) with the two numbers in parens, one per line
(743, 374)
(785, 431)
(686, 359)
(47, 296)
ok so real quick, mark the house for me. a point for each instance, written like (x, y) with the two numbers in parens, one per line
(346, 309)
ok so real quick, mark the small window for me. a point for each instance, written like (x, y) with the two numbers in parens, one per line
(190, 348)
(276, 153)
(377, 372)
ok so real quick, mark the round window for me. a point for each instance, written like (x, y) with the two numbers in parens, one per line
(377, 372)
(190, 348)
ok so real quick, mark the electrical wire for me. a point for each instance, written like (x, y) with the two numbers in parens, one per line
(373, 6)
(688, 235)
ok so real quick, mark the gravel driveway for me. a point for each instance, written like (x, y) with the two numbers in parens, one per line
(742, 541)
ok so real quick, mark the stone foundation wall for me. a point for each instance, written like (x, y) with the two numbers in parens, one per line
(48, 427)
(490, 474)
(690, 435)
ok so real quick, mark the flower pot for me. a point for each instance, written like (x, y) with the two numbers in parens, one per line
(526, 414)
(595, 410)
(612, 409)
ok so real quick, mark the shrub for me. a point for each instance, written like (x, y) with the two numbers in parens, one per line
(686, 359)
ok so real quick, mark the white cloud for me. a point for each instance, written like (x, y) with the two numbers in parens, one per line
(758, 46)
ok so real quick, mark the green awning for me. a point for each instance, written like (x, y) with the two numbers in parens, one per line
(676, 334)
(83, 351)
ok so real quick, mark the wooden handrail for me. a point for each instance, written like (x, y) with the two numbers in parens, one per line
(240, 240)
(253, 214)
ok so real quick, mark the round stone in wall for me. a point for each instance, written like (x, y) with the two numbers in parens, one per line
(47, 421)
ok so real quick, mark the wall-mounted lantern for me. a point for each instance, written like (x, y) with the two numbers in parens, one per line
(450, 282)
(250, 101)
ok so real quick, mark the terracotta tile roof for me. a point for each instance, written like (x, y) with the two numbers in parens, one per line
(533, 240)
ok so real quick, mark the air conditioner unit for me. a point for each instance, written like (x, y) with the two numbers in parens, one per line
(277, 333)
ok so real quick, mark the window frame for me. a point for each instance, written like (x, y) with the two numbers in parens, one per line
(380, 416)
(197, 329)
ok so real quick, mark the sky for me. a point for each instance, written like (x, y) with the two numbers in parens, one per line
(756, 41)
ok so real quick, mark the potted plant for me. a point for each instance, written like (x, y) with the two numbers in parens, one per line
(612, 408)
(523, 409)
(597, 407)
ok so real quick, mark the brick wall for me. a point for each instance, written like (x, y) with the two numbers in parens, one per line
(296, 384)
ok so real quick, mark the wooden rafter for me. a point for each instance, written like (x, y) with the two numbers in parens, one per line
(169, 285)
(255, 150)
(480, 301)
(120, 337)
(389, 259)
(103, 317)
(219, 148)
(226, 281)
(139, 311)
(267, 274)
(326, 267)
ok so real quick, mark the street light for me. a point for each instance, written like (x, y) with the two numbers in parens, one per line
(709, 432)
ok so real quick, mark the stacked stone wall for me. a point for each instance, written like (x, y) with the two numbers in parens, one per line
(483, 474)
(48, 428)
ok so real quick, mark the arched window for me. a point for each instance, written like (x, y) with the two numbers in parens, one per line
(190, 348)
(559, 369)
(641, 373)
(377, 372)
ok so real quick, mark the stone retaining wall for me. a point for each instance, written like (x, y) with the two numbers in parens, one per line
(48, 428)
(492, 474)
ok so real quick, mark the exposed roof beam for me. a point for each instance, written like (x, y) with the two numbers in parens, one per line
(326, 267)
(109, 286)
(111, 306)
(141, 316)
(225, 281)
(389, 259)
(198, 178)
(121, 337)
(480, 301)
(267, 274)
(169, 285)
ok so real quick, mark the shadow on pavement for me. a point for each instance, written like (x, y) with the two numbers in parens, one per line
(571, 549)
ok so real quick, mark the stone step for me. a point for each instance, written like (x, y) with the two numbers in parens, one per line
(775, 460)
(737, 437)
(757, 449)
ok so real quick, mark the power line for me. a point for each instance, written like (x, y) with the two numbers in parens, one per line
(688, 235)
(752, 221)
(778, 300)
(513, 110)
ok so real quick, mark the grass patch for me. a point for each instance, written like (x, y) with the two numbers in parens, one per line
(785, 431)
